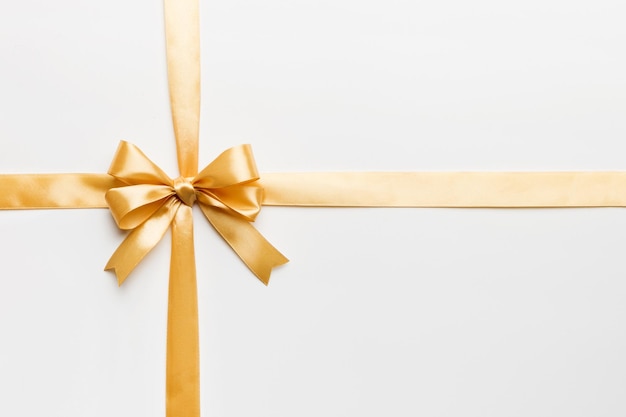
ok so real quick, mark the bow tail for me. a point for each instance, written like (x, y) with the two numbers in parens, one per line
(254, 250)
(141, 240)
(183, 365)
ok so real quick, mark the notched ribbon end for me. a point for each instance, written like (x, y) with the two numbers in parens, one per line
(264, 272)
(121, 277)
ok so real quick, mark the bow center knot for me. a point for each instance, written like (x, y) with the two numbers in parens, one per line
(185, 191)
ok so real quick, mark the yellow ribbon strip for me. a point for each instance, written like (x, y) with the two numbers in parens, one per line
(144, 200)
(182, 386)
(182, 36)
(446, 189)
(48, 191)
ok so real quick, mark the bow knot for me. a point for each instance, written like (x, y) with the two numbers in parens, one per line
(227, 191)
(185, 191)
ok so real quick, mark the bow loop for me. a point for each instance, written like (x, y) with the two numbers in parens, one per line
(230, 183)
(131, 166)
(244, 200)
(234, 166)
(134, 204)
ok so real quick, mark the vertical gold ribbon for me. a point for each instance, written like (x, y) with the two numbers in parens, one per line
(182, 32)
(182, 38)
(183, 356)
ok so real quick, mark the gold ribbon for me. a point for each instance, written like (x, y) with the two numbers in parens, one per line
(144, 200)
(446, 189)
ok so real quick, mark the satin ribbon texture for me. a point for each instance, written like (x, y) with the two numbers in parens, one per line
(227, 191)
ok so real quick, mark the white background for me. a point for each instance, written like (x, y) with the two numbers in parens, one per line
(381, 312)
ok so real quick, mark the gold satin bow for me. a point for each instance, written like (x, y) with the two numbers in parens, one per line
(227, 191)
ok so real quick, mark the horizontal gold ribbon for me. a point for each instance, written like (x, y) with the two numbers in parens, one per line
(355, 189)
(446, 189)
(49, 191)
